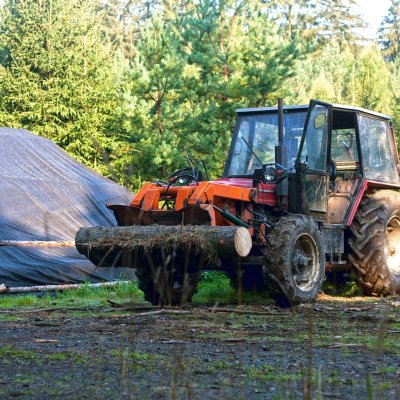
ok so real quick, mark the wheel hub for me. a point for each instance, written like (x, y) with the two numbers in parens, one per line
(305, 262)
(300, 261)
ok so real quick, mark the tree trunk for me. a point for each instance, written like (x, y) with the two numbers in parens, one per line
(214, 241)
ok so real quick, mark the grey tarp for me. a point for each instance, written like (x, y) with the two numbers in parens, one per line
(47, 195)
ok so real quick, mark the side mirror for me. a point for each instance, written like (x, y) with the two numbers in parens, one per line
(319, 120)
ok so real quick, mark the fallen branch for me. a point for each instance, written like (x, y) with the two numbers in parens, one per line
(238, 311)
(162, 311)
(360, 309)
(342, 345)
(55, 288)
(131, 307)
(37, 243)
(50, 309)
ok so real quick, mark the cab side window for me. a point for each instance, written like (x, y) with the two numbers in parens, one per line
(344, 144)
(377, 149)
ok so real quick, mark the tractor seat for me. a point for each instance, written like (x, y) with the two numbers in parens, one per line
(343, 189)
(339, 200)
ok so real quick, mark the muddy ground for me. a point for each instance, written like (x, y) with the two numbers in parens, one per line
(334, 349)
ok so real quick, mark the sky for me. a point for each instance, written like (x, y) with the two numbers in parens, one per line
(374, 11)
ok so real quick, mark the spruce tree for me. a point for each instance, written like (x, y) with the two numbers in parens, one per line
(389, 32)
(56, 77)
(338, 21)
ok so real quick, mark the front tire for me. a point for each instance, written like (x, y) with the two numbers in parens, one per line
(375, 244)
(295, 261)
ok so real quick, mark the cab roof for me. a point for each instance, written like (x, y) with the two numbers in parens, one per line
(304, 107)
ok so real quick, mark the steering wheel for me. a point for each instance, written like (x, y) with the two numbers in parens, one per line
(181, 177)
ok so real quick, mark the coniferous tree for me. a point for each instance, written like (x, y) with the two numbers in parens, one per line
(295, 17)
(323, 77)
(389, 32)
(337, 21)
(240, 59)
(370, 83)
(155, 81)
(193, 69)
(56, 78)
(318, 22)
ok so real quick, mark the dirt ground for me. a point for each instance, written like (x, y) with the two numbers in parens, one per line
(333, 349)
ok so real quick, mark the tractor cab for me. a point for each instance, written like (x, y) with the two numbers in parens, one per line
(343, 151)
(256, 136)
(330, 154)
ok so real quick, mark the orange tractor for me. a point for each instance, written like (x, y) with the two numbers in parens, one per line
(305, 189)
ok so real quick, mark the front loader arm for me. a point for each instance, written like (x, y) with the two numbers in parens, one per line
(150, 194)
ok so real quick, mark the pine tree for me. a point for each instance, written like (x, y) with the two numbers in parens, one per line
(155, 83)
(240, 59)
(370, 82)
(395, 66)
(323, 77)
(389, 32)
(338, 22)
(123, 20)
(295, 17)
(56, 77)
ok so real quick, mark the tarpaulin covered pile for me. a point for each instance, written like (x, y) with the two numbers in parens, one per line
(45, 195)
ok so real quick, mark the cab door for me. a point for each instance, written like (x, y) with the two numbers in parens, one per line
(312, 160)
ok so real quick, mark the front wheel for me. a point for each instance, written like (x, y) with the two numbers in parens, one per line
(295, 260)
(375, 244)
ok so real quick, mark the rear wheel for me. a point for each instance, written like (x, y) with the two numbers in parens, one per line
(295, 261)
(375, 244)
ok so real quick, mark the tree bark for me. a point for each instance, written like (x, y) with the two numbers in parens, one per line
(222, 241)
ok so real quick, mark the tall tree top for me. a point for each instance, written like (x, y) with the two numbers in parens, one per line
(389, 32)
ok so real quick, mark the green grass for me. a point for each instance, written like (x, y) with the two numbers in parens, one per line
(214, 288)
(8, 351)
(67, 356)
(85, 296)
(341, 284)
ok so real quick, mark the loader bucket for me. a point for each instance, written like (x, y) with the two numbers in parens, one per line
(191, 215)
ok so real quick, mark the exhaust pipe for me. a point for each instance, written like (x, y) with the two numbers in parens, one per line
(281, 156)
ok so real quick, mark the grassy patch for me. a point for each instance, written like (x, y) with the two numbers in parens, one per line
(16, 301)
(85, 296)
(8, 352)
(67, 356)
(269, 372)
(133, 355)
(340, 284)
(214, 287)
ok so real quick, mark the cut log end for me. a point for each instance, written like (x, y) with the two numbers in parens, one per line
(243, 242)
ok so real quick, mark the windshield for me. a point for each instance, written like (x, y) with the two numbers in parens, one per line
(257, 137)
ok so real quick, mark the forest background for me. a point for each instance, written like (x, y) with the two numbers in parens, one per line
(129, 87)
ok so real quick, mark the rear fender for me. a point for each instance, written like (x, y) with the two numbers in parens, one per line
(357, 200)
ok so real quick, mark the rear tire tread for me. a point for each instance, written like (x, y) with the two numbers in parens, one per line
(367, 244)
